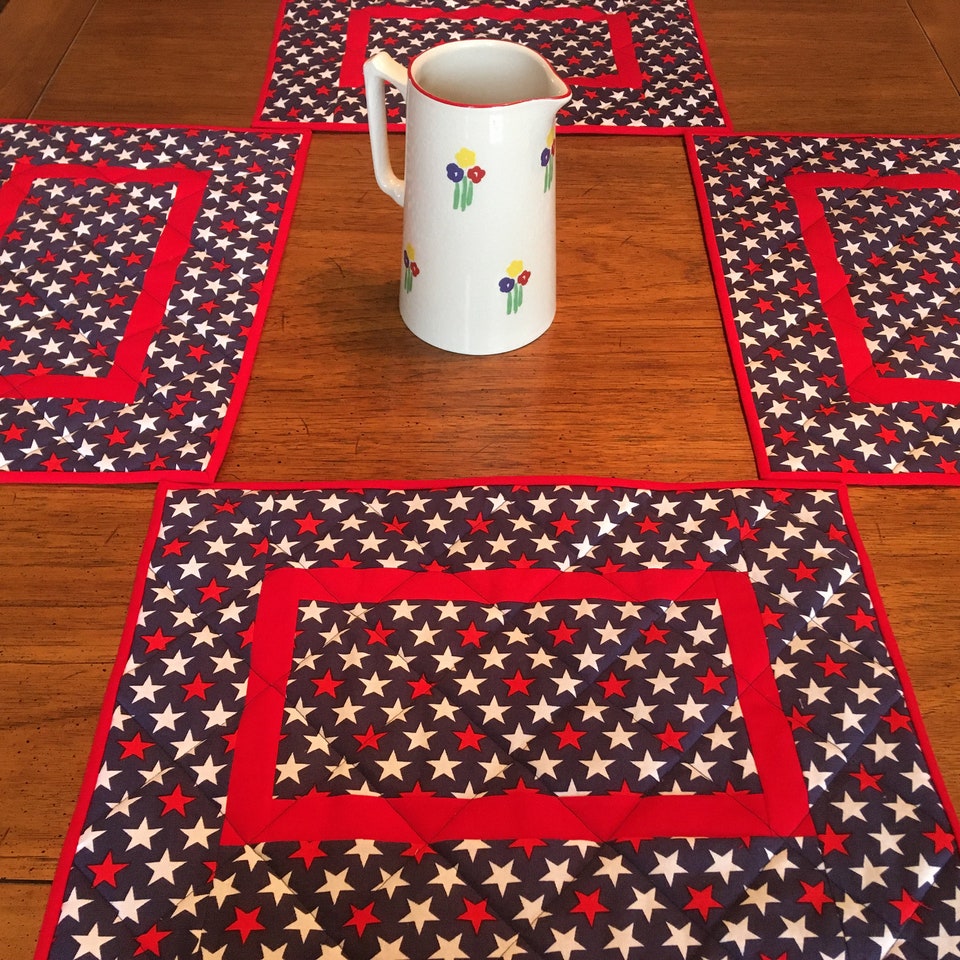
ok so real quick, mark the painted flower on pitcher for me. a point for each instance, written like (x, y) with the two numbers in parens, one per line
(548, 159)
(410, 268)
(464, 174)
(513, 283)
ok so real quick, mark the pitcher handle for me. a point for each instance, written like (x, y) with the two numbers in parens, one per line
(377, 71)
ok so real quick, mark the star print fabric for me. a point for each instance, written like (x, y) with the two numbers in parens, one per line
(507, 719)
(836, 262)
(633, 67)
(135, 270)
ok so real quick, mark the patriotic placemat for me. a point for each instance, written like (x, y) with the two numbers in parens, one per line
(135, 269)
(507, 719)
(634, 66)
(837, 264)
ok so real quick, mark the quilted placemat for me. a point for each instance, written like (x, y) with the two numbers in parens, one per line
(533, 718)
(634, 66)
(136, 265)
(837, 265)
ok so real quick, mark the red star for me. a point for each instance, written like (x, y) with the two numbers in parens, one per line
(712, 681)
(471, 636)
(647, 525)
(908, 907)
(13, 432)
(861, 619)
(569, 737)
(395, 525)
(833, 841)
(361, 919)
(476, 913)
(832, 667)
(308, 524)
(942, 840)
(803, 572)
(528, 844)
(564, 524)
(156, 641)
(117, 436)
(369, 739)
(378, 634)
(106, 872)
(589, 904)
(770, 619)
(815, 895)
(246, 922)
(479, 524)
(212, 591)
(653, 634)
(612, 687)
(150, 941)
(135, 747)
(563, 634)
(469, 738)
(420, 688)
(326, 684)
(518, 684)
(868, 781)
(702, 900)
(308, 851)
(798, 720)
(176, 800)
(671, 738)
(197, 687)
(53, 463)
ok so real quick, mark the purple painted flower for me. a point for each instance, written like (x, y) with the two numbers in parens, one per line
(506, 284)
(454, 172)
(545, 156)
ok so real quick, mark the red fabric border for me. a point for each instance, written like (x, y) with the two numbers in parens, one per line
(146, 315)
(253, 815)
(735, 349)
(628, 73)
(235, 400)
(167, 486)
(863, 382)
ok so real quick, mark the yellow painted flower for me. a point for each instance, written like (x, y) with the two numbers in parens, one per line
(410, 253)
(465, 158)
(550, 137)
(515, 269)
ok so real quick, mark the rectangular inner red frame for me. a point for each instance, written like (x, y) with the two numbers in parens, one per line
(146, 316)
(255, 815)
(864, 384)
(628, 74)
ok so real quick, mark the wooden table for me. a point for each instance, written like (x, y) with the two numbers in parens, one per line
(631, 381)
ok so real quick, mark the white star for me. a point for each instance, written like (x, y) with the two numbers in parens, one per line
(419, 913)
(90, 943)
(449, 949)
(564, 943)
(305, 923)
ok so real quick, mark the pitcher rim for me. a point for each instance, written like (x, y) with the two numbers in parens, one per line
(488, 41)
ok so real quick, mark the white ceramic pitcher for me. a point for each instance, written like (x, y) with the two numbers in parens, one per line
(479, 227)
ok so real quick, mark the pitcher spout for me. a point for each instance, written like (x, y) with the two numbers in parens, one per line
(487, 73)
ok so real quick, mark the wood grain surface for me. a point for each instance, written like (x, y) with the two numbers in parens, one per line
(632, 380)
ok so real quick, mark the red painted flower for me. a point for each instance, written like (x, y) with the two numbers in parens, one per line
(523, 278)
(476, 174)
